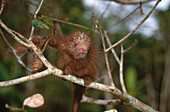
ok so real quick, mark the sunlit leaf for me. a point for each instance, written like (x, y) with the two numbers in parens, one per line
(34, 101)
(47, 20)
(39, 24)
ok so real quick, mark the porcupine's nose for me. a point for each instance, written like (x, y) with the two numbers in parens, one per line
(82, 51)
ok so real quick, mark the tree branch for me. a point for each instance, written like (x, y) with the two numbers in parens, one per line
(25, 78)
(131, 2)
(73, 24)
(124, 38)
(112, 50)
(122, 19)
(14, 52)
(13, 35)
(100, 30)
(125, 98)
(100, 101)
(30, 45)
(135, 42)
(35, 16)
(2, 6)
(121, 70)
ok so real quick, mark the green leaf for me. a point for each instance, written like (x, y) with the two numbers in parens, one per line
(47, 20)
(39, 24)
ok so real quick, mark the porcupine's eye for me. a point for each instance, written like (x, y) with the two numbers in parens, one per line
(75, 44)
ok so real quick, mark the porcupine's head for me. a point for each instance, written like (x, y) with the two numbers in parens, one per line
(79, 44)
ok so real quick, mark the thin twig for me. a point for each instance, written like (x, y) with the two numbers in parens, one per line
(13, 35)
(46, 44)
(21, 55)
(99, 29)
(131, 2)
(3, 36)
(122, 19)
(14, 52)
(107, 61)
(112, 50)
(35, 16)
(14, 108)
(2, 6)
(140, 8)
(50, 38)
(121, 65)
(104, 11)
(121, 71)
(124, 38)
(21, 36)
(73, 24)
(100, 101)
(135, 42)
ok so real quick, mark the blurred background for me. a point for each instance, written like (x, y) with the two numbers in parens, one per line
(146, 65)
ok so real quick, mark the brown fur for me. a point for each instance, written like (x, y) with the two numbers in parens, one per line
(77, 56)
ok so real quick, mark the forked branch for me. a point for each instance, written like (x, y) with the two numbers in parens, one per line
(129, 34)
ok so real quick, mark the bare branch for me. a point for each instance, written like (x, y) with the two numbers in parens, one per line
(125, 98)
(14, 108)
(46, 44)
(100, 30)
(131, 2)
(73, 24)
(14, 52)
(15, 37)
(30, 45)
(124, 38)
(107, 61)
(122, 19)
(121, 71)
(2, 6)
(104, 11)
(140, 7)
(136, 41)
(112, 50)
(35, 16)
(50, 38)
(21, 36)
(121, 65)
(25, 78)
(99, 101)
